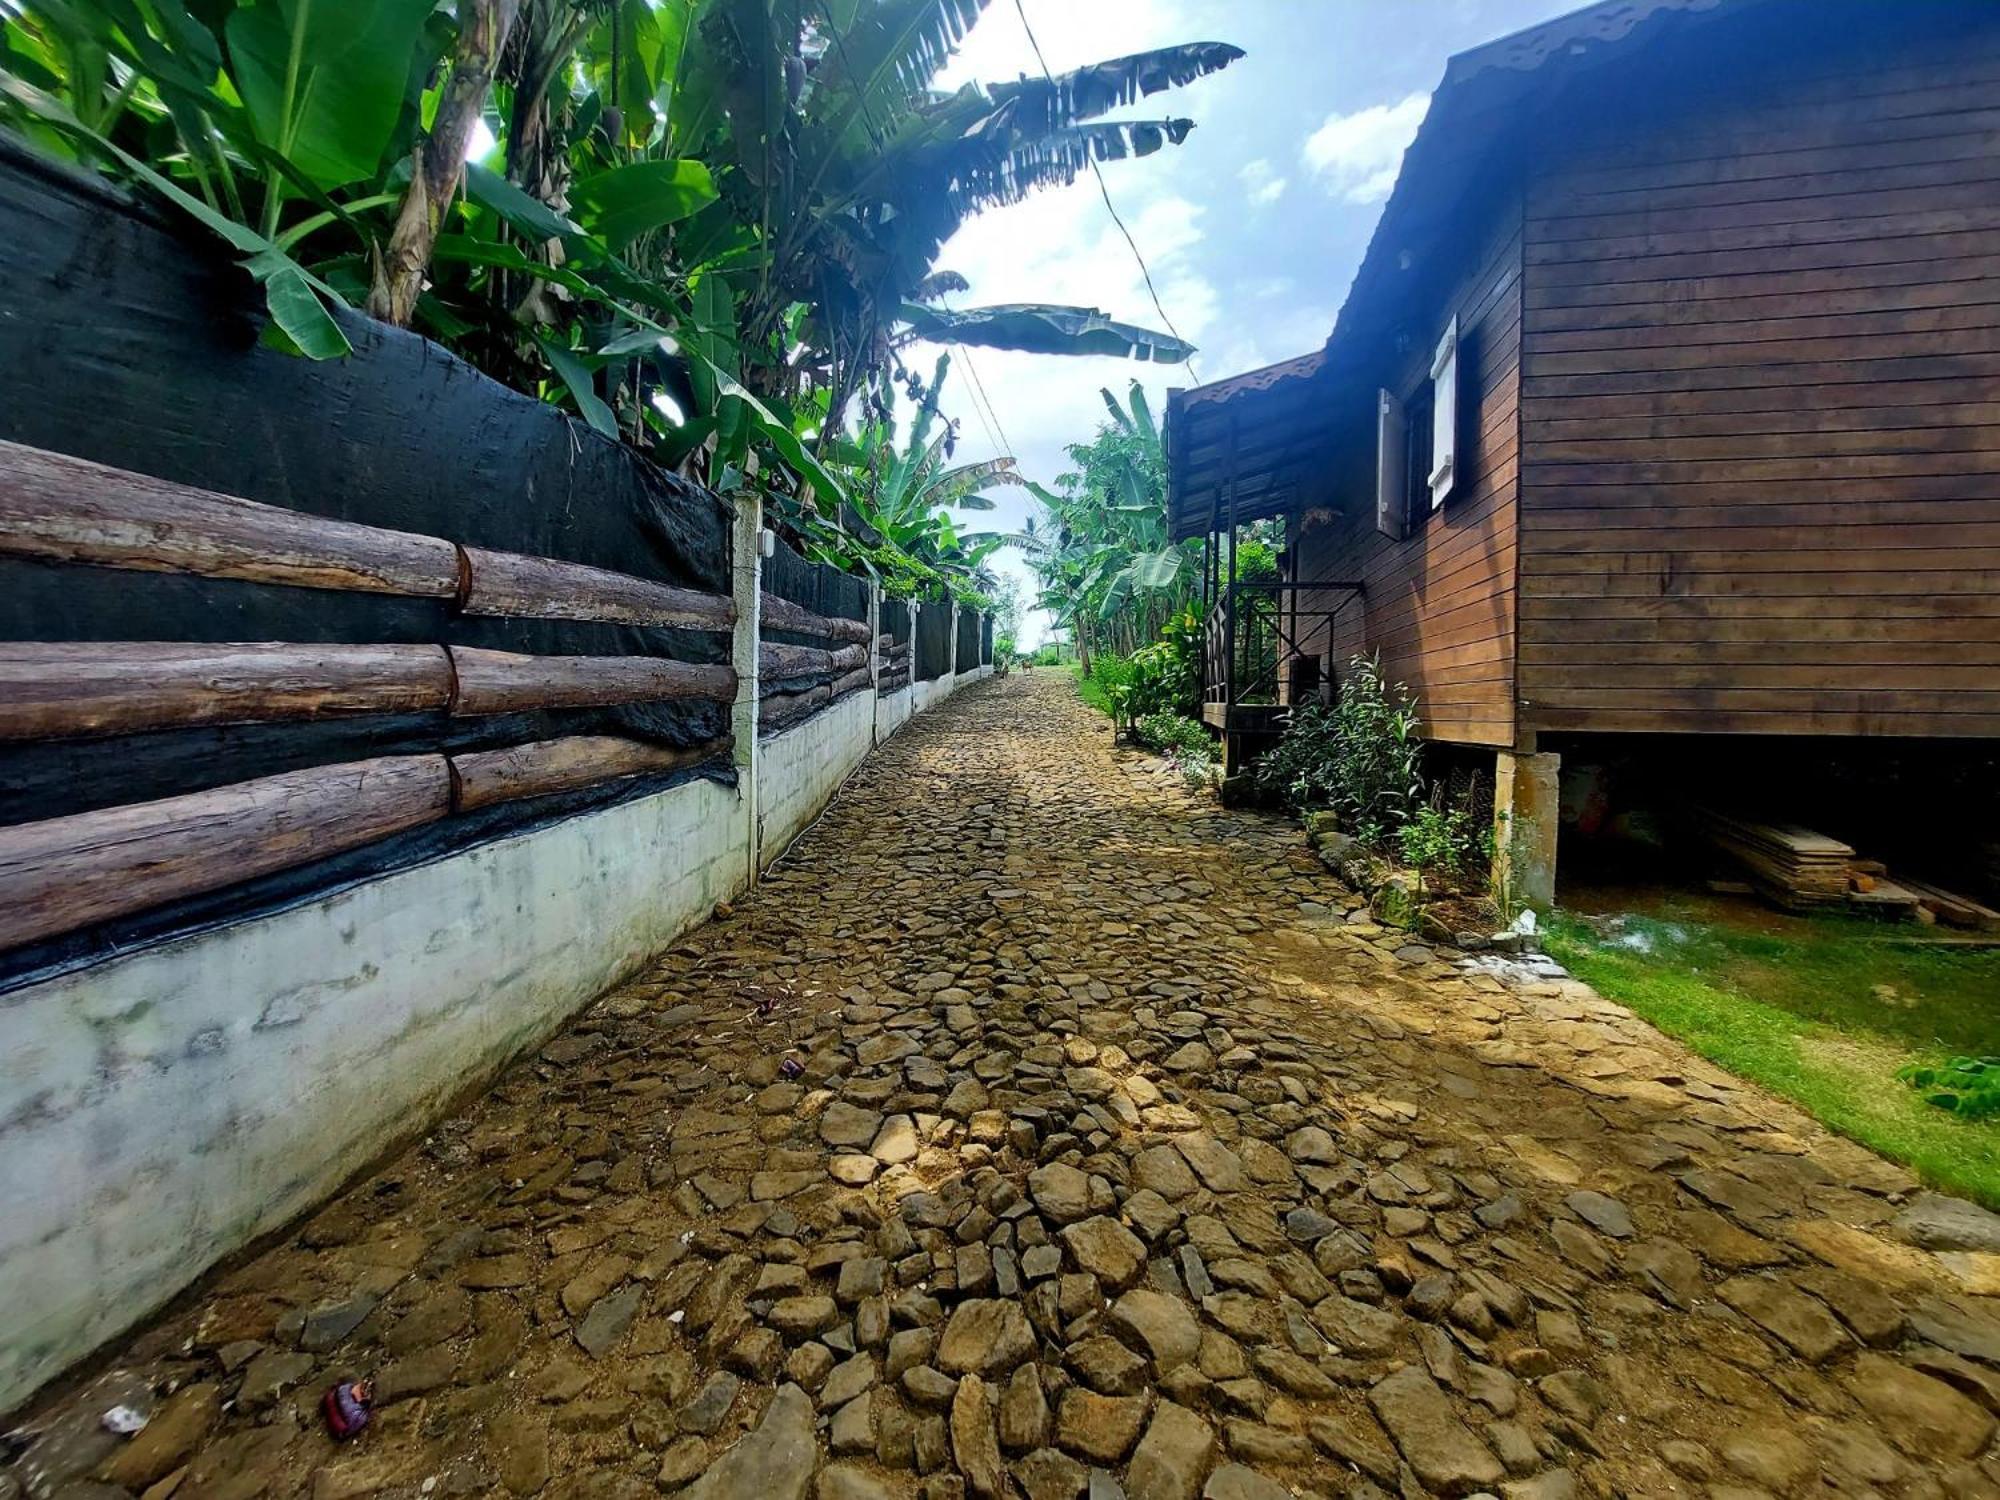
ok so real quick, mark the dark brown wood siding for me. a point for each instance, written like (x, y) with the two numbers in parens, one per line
(1439, 605)
(1760, 410)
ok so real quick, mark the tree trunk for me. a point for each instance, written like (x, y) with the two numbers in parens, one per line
(438, 162)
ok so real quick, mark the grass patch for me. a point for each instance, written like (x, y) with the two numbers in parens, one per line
(1824, 1015)
(1090, 690)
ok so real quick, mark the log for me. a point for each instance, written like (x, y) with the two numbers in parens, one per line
(63, 874)
(540, 588)
(498, 682)
(860, 677)
(481, 778)
(60, 509)
(785, 710)
(777, 663)
(66, 689)
(782, 614)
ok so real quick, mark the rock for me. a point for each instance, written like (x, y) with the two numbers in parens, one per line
(1024, 1411)
(1922, 1416)
(850, 1482)
(1309, 1145)
(519, 1447)
(847, 1125)
(1768, 1456)
(802, 1317)
(1794, 1319)
(974, 1445)
(269, 1375)
(848, 1380)
(1173, 1458)
(165, 1442)
(609, 1319)
(1107, 1366)
(896, 1142)
(1161, 1327)
(1294, 1375)
(1356, 1328)
(1106, 1249)
(1219, 1168)
(1577, 1394)
(1101, 1428)
(1236, 1482)
(683, 1461)
(1937, 1222)
(711, 1403)
(326, 1326)
(1556, 1484)
(985, 1337)
(1605, 1215)
(1346, 1439)
(1163, 1170)
(1048, 1474)
(775, 1462)
(1061, 1192)
(1440, 1448)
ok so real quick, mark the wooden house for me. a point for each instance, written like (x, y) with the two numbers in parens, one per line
(1665, 402)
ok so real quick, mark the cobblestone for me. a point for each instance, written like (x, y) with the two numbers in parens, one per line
(1123, 1154)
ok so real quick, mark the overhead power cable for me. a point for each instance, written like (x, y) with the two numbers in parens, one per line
(1111, 208)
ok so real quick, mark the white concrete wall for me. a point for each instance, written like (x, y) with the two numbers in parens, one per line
(800, 769)
(159, 1111)
(892, 712)
(926, 695)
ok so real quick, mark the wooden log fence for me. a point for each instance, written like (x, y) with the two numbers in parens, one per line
(777, 663)
(64, 873)
(65, 689)
(782, 710)
(540, 588)
(54, 508)
(571, 763)
(68, 689)
(495, 682)
(775, 613)
(61, 874)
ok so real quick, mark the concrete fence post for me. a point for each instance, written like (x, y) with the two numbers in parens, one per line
(875, 663)
(746, 569)
(952, 637)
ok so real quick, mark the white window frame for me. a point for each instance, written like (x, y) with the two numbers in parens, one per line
(1444, 415)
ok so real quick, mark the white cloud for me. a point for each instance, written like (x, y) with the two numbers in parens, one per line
(1359, 154)
(1260, 183)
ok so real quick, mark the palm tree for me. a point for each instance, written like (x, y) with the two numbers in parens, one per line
(1106, 565)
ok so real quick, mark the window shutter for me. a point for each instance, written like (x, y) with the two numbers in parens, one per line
(1391, 456)
(1444, 415)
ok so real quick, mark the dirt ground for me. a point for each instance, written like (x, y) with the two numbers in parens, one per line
(1124, 1157)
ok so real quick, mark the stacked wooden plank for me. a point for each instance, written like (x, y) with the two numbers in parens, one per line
(1793, 866)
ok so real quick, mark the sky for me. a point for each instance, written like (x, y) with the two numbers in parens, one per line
(1252, 228)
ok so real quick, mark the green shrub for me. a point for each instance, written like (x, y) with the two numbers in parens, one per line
(1435, 841)
(1360, 757)
(1968, 1087)
(1176, 736)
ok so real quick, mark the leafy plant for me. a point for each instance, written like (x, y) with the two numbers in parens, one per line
(705, 226)
(1361, 756)
(1174, 735)
(1435, 841)
(1968, 1087)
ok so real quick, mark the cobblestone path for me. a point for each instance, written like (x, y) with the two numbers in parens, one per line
(1122, 1161)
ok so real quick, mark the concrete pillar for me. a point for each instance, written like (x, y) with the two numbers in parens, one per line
(746, 584)
(875, 663)
(1526, 799)
(952, 637)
